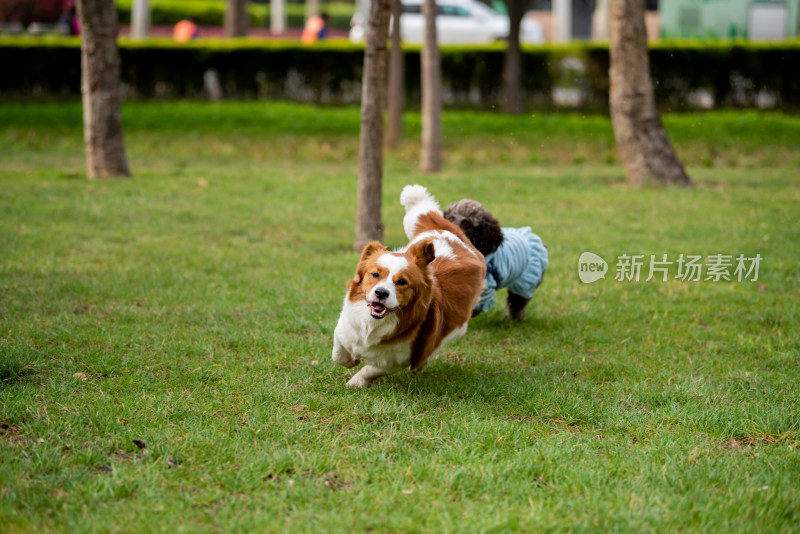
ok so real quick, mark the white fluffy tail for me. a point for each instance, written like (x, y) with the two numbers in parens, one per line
(413, 195)
(417, 201)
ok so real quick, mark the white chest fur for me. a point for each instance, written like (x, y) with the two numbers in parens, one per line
(359, 335)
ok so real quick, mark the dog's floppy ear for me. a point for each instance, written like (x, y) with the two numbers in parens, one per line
(423, 253)
(369, 250)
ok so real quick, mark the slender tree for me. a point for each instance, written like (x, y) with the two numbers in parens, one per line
(237, 21)
(369, 225)
(600, 20)
(394, 122)
(643, 145)
(100, 88)
(140, 19)
(431, 152)
(277, 16)
(512, 66)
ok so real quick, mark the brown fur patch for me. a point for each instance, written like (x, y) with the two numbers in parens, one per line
(372, 251)
(458, 284)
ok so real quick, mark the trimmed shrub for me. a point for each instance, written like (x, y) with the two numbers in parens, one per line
(685, 76)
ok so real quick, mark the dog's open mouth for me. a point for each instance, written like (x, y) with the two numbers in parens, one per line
(379, 311)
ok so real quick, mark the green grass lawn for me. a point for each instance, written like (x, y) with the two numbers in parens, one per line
(191, 310)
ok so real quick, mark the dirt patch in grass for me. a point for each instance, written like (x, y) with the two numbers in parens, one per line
(747, 442)
(11, 433)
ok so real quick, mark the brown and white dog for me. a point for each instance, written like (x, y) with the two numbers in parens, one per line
(401, 306)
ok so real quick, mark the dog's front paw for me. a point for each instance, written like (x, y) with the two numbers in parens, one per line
(347, 361)
(343, 357)
(366, 376)
(359, 382)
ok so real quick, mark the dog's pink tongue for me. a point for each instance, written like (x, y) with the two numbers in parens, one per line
(378, 310)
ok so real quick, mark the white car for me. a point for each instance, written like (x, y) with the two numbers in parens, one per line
(458, 22)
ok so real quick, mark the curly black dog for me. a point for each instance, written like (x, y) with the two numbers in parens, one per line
(516, 258)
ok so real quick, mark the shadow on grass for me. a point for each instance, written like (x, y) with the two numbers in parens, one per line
(533, 324)
(475, 382)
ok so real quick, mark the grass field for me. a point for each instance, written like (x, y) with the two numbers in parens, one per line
(190, 311)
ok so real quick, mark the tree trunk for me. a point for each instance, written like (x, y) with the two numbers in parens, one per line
(600, 20)
(140, 19)
(312, 8)
(512, 68)
(431, 153)
(100, 88)
(237, 21)
(394, 123)
(369, 226)
(643, 145)
(277, 17)
(562, 21)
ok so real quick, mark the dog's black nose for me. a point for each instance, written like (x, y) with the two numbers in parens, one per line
(381, 293)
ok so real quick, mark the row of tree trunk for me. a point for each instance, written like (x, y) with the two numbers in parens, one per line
(643, 145)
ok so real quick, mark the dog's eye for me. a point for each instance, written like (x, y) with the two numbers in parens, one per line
(376, 275)
(402, 282)
(465, 223)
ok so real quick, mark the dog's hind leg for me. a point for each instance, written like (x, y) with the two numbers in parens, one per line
(515, 307)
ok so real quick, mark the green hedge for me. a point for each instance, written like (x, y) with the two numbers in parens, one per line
(212, 13)
(735, 75)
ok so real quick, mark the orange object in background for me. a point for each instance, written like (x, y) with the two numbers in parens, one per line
(311, 32)
(185, 30)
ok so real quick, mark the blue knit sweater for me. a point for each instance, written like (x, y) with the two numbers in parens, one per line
(518, 264)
